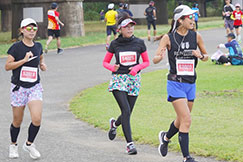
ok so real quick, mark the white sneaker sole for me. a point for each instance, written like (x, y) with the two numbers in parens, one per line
(160, 137)
(110, 121)
(33, 157)
(161, 142)
(13, 157)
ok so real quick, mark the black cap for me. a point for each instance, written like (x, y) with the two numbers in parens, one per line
(53, 5)
(121, 4)
(232, 35)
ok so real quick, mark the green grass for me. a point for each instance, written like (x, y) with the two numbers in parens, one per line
(216, 118)
(95, 34)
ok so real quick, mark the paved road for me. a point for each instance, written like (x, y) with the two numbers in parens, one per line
(63, 138)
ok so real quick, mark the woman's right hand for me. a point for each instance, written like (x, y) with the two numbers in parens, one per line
(116, 67)
(28, 55)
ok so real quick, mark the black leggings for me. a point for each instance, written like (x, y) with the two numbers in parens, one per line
(126, 104)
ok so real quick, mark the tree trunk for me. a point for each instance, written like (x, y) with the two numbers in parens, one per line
(202, 8)
(162, 11)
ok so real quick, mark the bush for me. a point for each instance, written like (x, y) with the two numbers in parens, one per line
(91, 16)
(92, 10)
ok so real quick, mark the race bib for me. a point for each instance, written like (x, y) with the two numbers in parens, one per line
(185, 67)
(128, 58)
(237, 16)
(28, 74)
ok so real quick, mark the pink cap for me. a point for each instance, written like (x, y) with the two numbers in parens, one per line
(237, 5)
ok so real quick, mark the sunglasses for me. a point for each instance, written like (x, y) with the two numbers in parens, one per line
(190, 16)
(29, 28)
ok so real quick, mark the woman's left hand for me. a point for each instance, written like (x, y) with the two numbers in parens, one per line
(197, 53)
(43, 67)
(132, 71)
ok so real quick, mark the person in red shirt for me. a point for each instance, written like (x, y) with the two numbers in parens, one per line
(54, 27)
(237, 17)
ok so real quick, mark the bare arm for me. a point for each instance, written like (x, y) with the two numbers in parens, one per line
(11, 64)
(59, 21)
(154, 12)
(202, 54)
(161, 50)
(43, 66)
(223, 13)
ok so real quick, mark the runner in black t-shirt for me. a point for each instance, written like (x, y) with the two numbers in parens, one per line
(181, 43)
(150, 14)
(24, 59)
(125, 82)
(126, 10)
(227, 12)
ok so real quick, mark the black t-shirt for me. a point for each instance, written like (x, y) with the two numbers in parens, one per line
(150, 13)
(128, 12)
(182, 56)
(229, 8)
(127, 52)
(18, 50)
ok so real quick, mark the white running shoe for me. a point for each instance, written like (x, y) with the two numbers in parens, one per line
(34, 153)
(13, 151)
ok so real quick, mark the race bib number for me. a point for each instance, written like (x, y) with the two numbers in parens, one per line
(128, 58)
(185, 67)
(28, 74)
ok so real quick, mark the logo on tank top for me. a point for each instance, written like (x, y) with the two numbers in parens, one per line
(185, 45)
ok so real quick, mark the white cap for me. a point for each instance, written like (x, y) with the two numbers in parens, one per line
(237, 5)
(182, 10)
(125, 22)
(111, 6)
(27, 21)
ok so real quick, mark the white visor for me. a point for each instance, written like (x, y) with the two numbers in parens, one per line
(125, 22)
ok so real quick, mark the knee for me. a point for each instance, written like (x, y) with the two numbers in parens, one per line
(126, 113)
(17, 121)
(36, 121)
(186, 121)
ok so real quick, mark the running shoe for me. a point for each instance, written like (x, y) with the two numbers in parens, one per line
(189, 159)
(149, 38)
(13, 151)
(131, 149)
(227, 64)
(60, 51)
(46, 50)
(34, 153)
(163, 147)
(112, 131)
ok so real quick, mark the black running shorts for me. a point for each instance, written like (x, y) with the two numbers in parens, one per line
(55, 33)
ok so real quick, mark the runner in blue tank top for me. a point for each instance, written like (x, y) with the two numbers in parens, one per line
(181, 43)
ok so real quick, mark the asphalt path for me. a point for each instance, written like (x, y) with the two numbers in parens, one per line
(62, 137)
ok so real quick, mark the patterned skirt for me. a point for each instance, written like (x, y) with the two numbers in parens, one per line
(126, 82)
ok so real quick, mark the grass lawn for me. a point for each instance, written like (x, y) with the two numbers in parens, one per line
(95, 34)
(216, 118)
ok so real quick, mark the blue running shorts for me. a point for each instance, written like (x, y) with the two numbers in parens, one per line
(181, 90)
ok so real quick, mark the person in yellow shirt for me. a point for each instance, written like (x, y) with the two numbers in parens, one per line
(110, 19)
